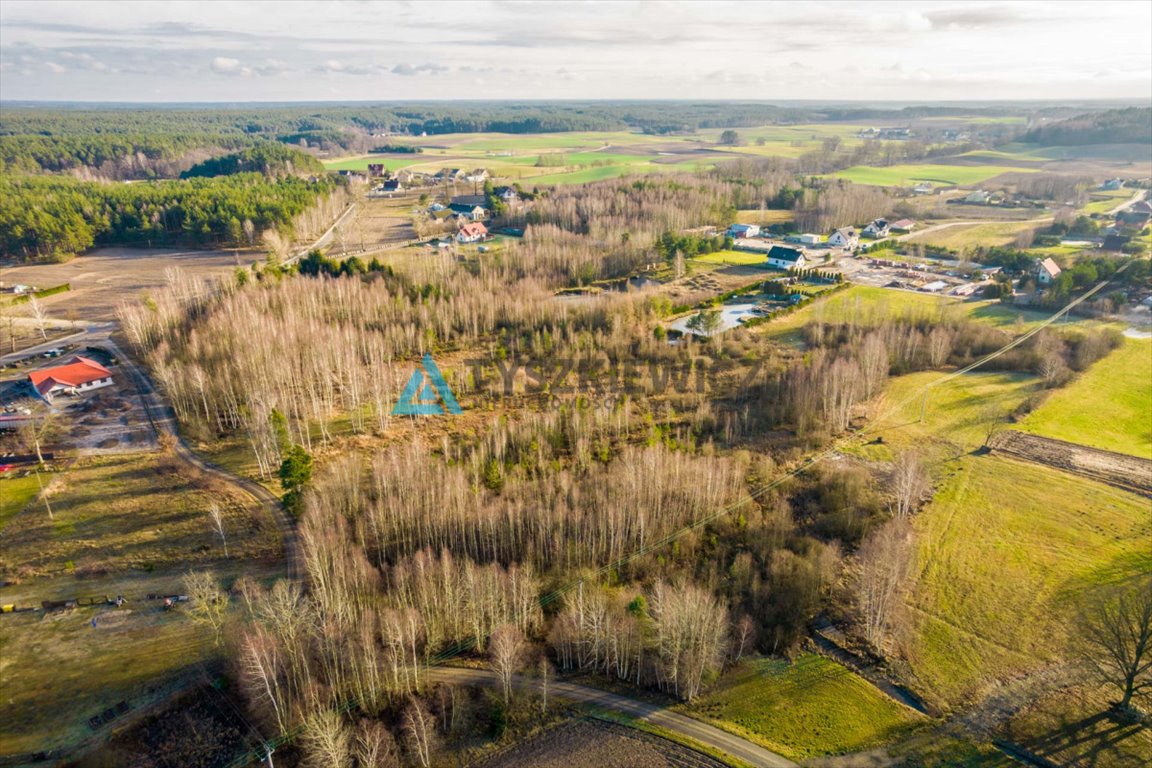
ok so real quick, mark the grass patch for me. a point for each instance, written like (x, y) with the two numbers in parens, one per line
(743, 258)
(909, 175)
(1005, 547)
(1109, 406)
(972, 235)
(808, 708)
(16, 493)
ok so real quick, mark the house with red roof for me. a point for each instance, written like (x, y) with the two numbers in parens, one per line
(472, 233)
(75, 376)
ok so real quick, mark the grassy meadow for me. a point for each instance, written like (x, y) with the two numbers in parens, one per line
(1109, 406)
(806, 708)
(910, 175)
(1005, 547)
(972, 235)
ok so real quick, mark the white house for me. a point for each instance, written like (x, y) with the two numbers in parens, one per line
(737, 231)
(845, 237)
(809, 239)
(783, 257)
(1047, 271)
(75, 376)
(876, 229)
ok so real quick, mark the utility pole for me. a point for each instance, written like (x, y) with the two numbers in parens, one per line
(268, 750)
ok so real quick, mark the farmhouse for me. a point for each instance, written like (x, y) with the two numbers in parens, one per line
(476, 176)
(783, 257)
(472, 233)
(472, 206)
(1047, 271)
(977, 197)
(1112, 184)
(77, 375)
(743, 230)
(392, 185)
(506, 194)
(845, 237)
(1132, 219)
(904, 225)
(876, 229)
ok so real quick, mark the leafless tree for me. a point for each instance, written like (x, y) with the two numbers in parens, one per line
(217, 517)
(1115, 637)
(326, 740)
(39, 314)
(506, 654)
(419, 732)
(208, 603)
(546, 673)
(743, 636)
(909, 482)
(375, 746)
(884, 563)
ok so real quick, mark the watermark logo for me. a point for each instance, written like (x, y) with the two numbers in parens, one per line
(427, 393)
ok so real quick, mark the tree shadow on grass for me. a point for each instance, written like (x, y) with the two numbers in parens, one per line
(1090, 741)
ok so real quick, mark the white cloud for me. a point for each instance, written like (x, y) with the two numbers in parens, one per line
(229, 66)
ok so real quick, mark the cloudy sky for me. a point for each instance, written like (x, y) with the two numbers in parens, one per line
(550, 49)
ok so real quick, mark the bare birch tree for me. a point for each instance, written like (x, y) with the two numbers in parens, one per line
(884, 563)
(909, 482)
(505, 654)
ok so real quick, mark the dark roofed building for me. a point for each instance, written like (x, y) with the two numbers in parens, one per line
(783, 257)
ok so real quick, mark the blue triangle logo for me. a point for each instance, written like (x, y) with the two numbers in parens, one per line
(426, 393)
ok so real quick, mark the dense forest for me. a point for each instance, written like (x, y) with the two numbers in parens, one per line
(52, 217)
(1118, 126)
(267, 158)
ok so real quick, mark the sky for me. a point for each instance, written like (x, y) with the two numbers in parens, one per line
(354, 50)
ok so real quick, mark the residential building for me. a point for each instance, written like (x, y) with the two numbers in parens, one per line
(477, 176)
(392, 185)
(1112, 185)
(809, 239)
(845, 237)
(75, 376)
(1141, 206)
(904, 225)
(783, 257)
(977, 197)
(375, 170)
(507, 194)
(923, 188)
(472, 233)
(743, 230)
(1047, 271)
(876, 229)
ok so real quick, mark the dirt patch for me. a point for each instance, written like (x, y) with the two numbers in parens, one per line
(1128, 472)
(581, 743)
(102, 279)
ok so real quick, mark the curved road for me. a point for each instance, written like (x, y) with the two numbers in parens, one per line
(730, 744)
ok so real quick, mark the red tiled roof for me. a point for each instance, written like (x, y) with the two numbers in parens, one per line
(76, 372)
(476, 228)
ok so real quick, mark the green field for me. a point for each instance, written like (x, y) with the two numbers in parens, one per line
(1101, 201)
(742, 258)
(808, 708)
(16, 493)
(1005, 546)
(1109, 406)
(972, 235)
(909, 175)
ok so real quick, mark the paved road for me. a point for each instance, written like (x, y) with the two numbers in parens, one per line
(656, 714)
(1137, 196)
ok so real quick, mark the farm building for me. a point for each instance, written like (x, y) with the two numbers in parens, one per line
(923, 188)
(845, 237)
(783, 257)
(904, 225)
(1047, 271)
(743, 230)
(472, 233)
(1141, 206)
(977, 197)
(375, 170)
(809, 239)
(77, 375)
(392, 185)
(876, 229)
(1112, 184)
(476, 176)
(1132, 219)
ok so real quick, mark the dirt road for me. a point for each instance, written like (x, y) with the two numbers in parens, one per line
(742, 749)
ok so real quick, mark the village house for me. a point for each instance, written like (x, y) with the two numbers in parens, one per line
(876, 229)
(977, 197)
(1141, 206)
(392, 185)
(923, 188)
(477, 176)
(845, 237)
(1132, 219)
(78, 375)
(903, 226)
(375, 170)
(472, 233)
(506, 194)
(472, 206)
(783, 257)
(809, 239)
(1112, 184)
(737, 231)
(1047, 271)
